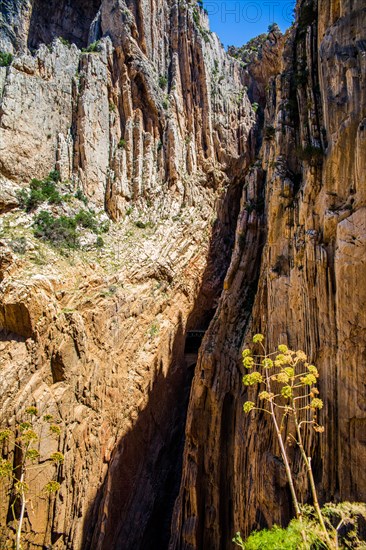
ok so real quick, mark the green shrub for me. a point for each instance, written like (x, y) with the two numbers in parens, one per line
(153, 330)
(92, 48)
(163, 81)
(144, 225)
(104, 227)
(196, 17)
(40, 191)
(61, 231)
(273, 539)
(55, 176)
(289, 538)
(5, 59)
(347, 519)
(273, 28)
(255, 107)
(64, 41)
(122, 143)
(99, 243)
(86, 218)
(19, 245)
(140, 224)
(80, 195)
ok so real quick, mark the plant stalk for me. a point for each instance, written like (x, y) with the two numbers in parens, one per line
(22, 511)
(309, 471)
(284, 455)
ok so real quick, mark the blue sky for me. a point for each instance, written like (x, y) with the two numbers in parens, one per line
(237, 21)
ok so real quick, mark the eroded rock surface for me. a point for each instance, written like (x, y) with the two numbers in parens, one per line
(310, 293)
(156, 101)
(154, 123)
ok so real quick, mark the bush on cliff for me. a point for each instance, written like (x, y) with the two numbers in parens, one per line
(348, 518)
(5, 59)
(41, 191)
(59, 230)
(64, 231)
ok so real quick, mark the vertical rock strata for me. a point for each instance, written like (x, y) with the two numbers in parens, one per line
(155, 101)
(311, 290)
(138, 105)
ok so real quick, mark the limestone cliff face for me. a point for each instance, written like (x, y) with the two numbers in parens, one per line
(311, 288)
(155, 124)
(157, 101)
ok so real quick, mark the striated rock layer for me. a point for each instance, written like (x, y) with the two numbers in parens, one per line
(154, 123)
(311, 288)
(155, 101)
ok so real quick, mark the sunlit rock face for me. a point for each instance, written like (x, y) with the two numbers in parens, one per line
(256, 222)
(307, 192)
(157, 101)
(154, 124)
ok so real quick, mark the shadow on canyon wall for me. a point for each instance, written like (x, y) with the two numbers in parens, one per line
(133, 508)
(61, 18)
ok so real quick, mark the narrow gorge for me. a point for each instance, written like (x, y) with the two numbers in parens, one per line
(213, 195)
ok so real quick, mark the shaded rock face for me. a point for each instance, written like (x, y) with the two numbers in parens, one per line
(314, 254)
(69, 20)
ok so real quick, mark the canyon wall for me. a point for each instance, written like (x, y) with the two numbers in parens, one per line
(155, 100)
(224, 218)
(311, 287)
(142, 112)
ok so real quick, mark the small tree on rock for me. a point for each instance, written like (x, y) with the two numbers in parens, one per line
(287, 384)
(14, 473)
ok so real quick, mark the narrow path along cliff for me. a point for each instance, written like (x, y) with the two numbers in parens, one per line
(161, 201)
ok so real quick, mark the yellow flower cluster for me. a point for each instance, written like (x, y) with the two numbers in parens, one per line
(313, 370)
(248, 406)
(282, 377)
(5, 434)
(252, 378)
(52, 487)
(286, 392)
(32, 454)
(308, 380)
(57, 457)
(32, 411)
(316, 403)
(248, 362)
(6, 468)
(265, 395)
